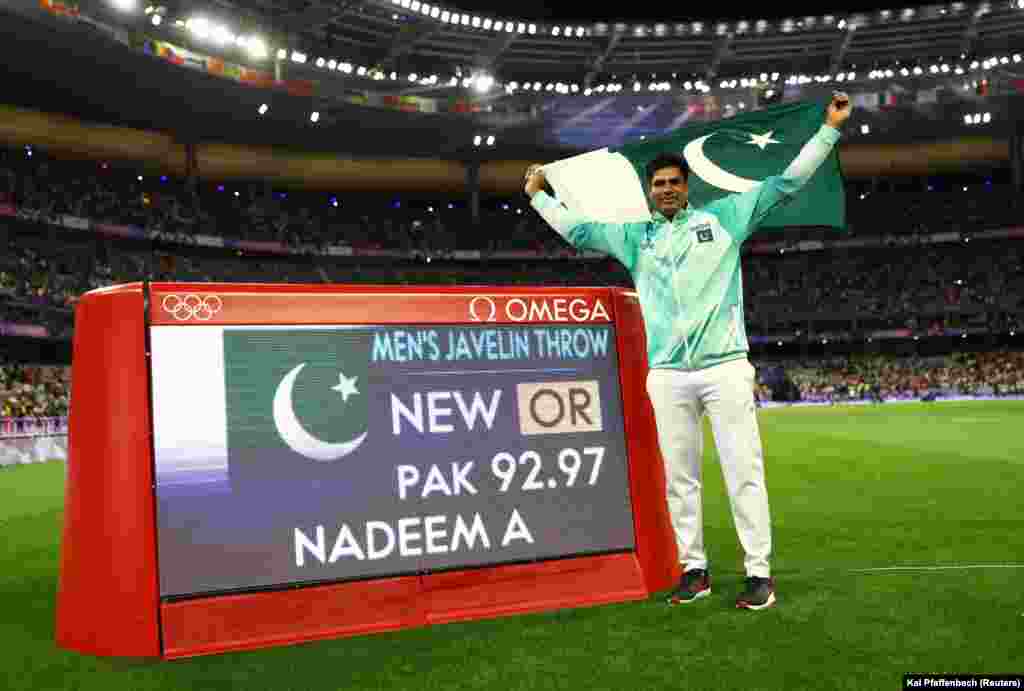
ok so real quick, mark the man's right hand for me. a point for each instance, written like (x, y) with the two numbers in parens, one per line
(535, 180)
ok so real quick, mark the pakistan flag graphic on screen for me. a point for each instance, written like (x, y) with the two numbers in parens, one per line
(297, 403)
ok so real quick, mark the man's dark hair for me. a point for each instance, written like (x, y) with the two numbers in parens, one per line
(667, 160)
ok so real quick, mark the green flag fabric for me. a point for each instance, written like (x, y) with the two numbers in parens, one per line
(725, 156)
(295, 395)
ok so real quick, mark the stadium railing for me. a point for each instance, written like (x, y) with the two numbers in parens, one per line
(33, 440)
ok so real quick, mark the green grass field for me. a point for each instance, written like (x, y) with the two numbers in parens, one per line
(851, 488)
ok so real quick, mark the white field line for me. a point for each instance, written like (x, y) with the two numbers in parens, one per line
(950, 567)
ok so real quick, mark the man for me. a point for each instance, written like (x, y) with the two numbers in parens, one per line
(685, 263)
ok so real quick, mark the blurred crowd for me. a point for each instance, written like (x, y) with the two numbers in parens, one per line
(44, 391)
(999, 373)
(909, 281)
(921, 288)
(34, 391)
(42, 188)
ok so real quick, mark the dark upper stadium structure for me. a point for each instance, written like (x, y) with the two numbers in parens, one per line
(358, 141)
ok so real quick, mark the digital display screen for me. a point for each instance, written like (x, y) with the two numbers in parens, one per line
(296, 454)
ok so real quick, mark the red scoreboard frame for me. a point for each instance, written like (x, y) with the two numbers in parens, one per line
(108, 600)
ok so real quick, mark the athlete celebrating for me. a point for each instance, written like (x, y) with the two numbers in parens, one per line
(685, 263)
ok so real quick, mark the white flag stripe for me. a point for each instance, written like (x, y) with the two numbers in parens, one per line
(190, 426)
(600, 186)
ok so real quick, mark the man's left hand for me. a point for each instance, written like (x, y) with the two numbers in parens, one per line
(838, 110)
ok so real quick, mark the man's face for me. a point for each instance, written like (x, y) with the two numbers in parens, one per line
(668, 190)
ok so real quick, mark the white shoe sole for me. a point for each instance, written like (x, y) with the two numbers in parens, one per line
(703, 593)
(768, 603)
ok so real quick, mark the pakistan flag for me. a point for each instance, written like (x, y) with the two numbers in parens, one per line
(724, 157)
(297, 402)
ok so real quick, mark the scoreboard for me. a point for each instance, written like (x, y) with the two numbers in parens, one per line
(307, 461)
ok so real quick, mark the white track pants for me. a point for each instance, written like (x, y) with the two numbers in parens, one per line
(725, 393)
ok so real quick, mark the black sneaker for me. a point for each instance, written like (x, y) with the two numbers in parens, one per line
(760, 594)
(694, 584)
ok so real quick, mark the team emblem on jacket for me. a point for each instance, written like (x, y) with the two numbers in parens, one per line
(704, 233)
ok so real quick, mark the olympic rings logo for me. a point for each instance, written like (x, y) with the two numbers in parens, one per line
(192, 306)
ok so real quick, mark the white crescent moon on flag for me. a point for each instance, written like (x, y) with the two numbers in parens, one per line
(295, 436)
(710, 172)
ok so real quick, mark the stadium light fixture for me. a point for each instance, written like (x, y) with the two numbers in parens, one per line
(298, 57)
(156, 19)
(490, 140)
(488, 23)
(465, 20)
(125, 5)
(263, 109)
(498, 26)
(320, 62)
(556, 30)
(476, 22)
(483, 83)
(314, 116)
(221, 35)
(256, 47)
(198, 27)
(476, 142)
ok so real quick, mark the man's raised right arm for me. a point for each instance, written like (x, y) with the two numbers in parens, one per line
(615, 239)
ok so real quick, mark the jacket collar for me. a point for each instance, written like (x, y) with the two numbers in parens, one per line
(681, 215)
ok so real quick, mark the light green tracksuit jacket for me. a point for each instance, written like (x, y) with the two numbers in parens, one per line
(687, 270)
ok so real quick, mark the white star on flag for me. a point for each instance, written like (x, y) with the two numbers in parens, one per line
(763, 140)
(346, 387)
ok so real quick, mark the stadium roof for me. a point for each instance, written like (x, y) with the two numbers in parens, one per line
(410, 35)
